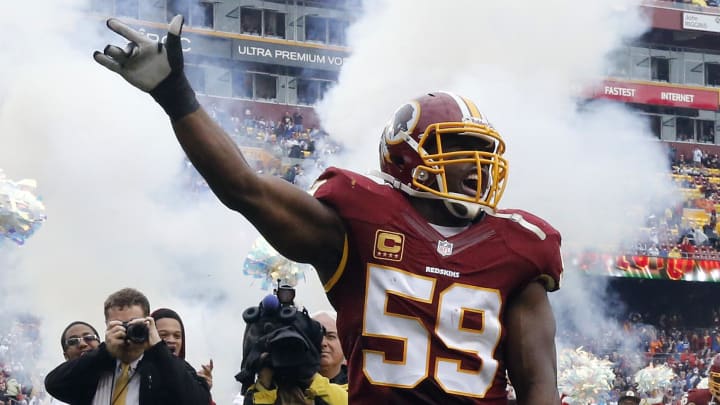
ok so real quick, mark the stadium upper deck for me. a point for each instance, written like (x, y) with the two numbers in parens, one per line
(671, 74)
(284, 54)
(269, 53)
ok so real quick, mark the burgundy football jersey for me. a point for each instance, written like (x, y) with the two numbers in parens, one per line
(698, 397)
(420, 316)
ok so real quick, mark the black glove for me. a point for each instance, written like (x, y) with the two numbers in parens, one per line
(153, 67)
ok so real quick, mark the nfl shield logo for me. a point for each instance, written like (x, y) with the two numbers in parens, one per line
(444, 248)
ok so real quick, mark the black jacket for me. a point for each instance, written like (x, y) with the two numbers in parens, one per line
(164, 378)
(341, 378)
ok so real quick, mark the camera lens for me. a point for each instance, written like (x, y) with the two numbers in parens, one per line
(136, 332)
(287, 314)
(251, 314)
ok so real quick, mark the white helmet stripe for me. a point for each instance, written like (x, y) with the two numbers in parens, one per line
(464, 110)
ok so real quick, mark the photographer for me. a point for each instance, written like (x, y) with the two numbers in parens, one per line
(132, 367)
(281, 355)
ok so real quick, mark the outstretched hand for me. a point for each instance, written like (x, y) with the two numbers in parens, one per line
(143, 62)
(206, 372)
(152, 66)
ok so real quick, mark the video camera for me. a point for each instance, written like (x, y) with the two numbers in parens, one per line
(282, 337)
(136, 332)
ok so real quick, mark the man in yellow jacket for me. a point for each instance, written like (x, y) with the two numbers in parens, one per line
(281, 355)
(321, 391)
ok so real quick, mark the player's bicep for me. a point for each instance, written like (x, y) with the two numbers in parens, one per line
(530, 348)
(299, 226)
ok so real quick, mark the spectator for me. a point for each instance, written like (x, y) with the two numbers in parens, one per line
(687, 247)
(77, 339)
(697, 157)
(248, 120)
(682, 160)
(13, 389)
(629, 398)
(653, 251)
(3, 391)
(290, 174)
(332, 358)
(295, 149)
(700, 237)
(132, 348)
(675, 252)
(172, 331)
(298, 120)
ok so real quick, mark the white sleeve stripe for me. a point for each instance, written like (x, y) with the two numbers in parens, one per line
(314, 188)
(515, 217)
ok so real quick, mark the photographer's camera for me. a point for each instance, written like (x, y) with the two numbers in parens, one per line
(136, 332)
(280, 336)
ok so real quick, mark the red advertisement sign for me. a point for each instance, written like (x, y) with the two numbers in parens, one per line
(645, 93)
(650, 267)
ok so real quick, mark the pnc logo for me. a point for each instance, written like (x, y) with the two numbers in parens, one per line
(388, 245)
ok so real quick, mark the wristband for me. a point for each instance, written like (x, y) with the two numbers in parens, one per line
(176, 96)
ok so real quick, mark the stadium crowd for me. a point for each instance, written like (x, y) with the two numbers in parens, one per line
(657, 338)
(287, 147)
(688, 228)
(667, 340)
(20, 384)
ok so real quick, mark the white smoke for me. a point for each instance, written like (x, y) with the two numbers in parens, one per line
(109, 172)
(108, 165)
(525, 64)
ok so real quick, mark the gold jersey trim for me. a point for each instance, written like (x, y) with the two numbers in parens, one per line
(340, 269)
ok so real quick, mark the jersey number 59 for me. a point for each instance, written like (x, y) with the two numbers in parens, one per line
(454, 303)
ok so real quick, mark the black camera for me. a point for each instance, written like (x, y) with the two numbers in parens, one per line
(280, 336)
(136, 332)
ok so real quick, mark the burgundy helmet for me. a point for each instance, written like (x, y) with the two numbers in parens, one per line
(412, 158)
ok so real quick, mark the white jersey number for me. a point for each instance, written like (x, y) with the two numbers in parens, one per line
(454, 303)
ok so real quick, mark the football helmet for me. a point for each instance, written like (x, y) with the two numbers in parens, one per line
(714, 377)
(413, 159)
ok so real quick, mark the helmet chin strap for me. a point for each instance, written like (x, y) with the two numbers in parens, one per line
(460, 209)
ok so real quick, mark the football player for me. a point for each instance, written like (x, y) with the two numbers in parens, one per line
(711, 394)
(437, 291)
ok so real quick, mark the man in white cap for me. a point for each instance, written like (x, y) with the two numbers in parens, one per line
(629, 398)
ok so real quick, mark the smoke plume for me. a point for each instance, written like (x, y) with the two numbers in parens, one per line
(582, 168)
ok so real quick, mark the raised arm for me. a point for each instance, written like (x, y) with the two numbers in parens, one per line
(530, 349)
(295, 223)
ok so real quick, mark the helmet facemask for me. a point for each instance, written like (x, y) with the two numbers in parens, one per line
(714, 377)
(414, 159)
(714, 383)
(485, 183)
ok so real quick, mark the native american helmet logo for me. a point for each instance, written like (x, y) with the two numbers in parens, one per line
(403, 122)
